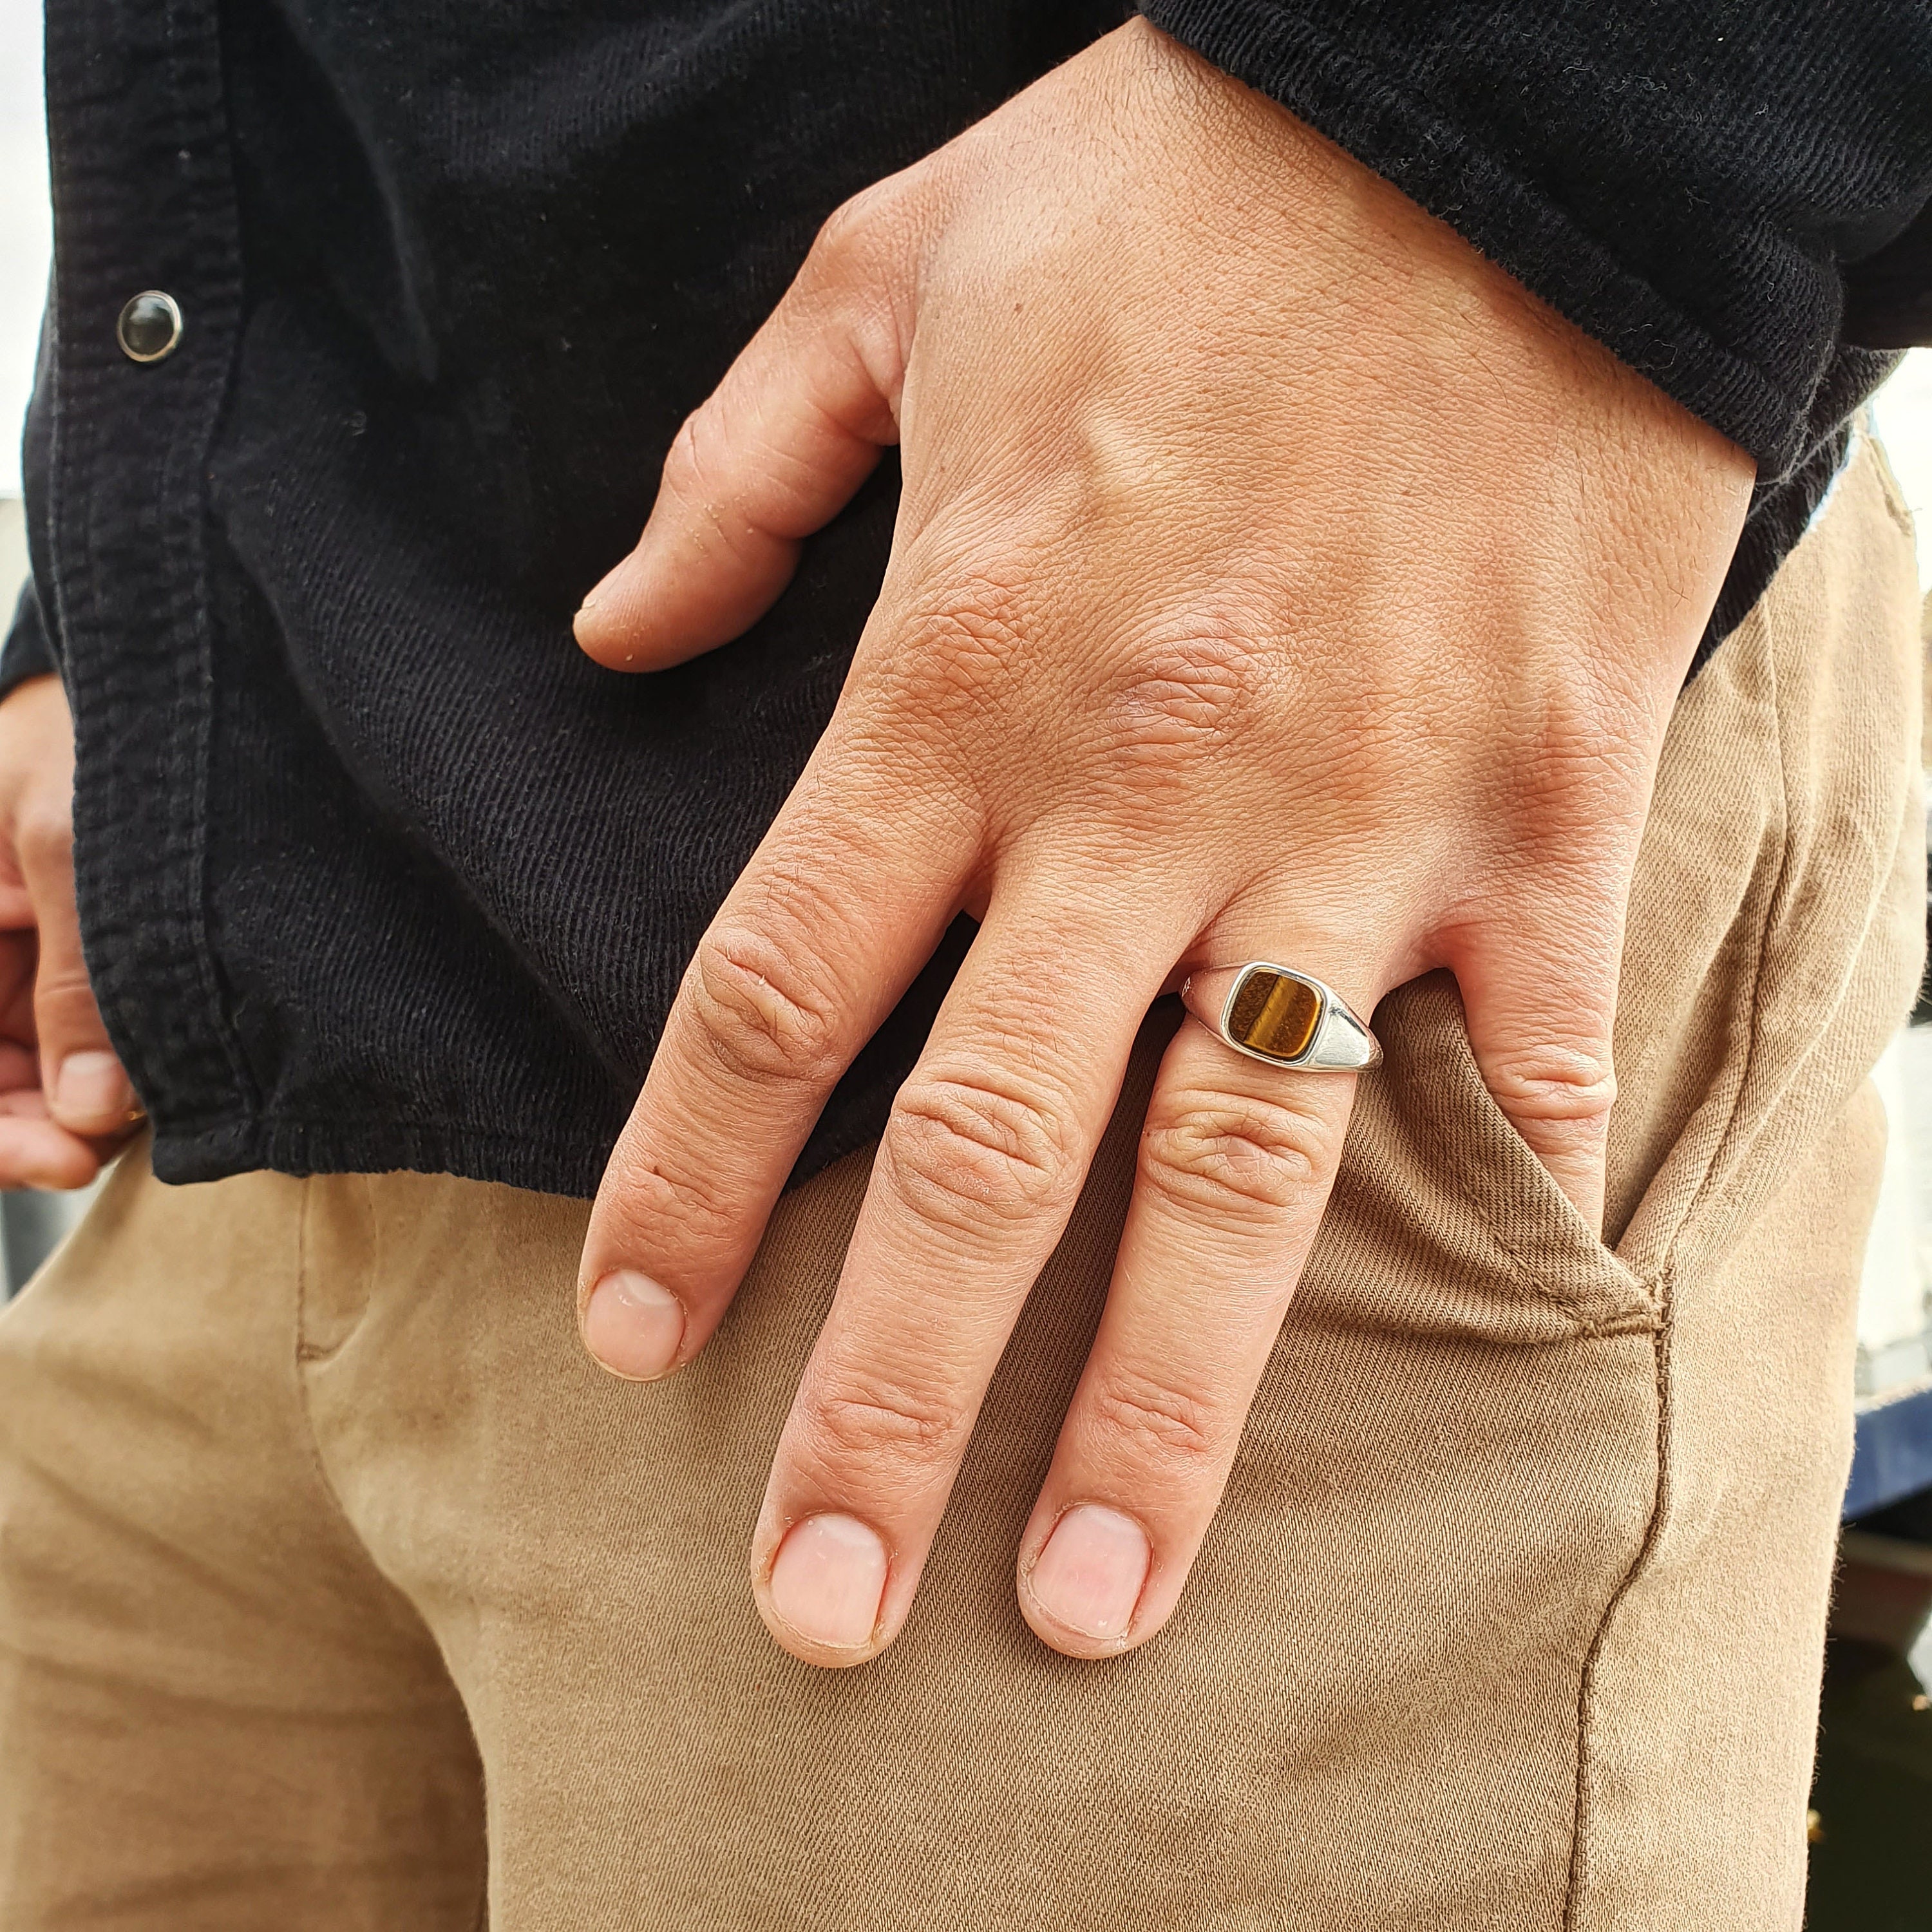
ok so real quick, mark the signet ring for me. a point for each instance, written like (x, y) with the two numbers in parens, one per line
(1287, 1018)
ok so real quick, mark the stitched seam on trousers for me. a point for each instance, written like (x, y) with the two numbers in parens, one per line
(1754, 1030)
(1908, 826)
(1871, 445)
(1660, 1503)
(311, 1442)
(1592, 1314)
(1583, 1328)
(1586, 1682)
(1667, 1281)
(1623, 1322)
(303, 1352)
(1871, 450)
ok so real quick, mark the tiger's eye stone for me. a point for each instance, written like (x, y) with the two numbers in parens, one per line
(1274, 1015)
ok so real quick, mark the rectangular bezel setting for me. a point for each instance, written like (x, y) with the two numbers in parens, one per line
(1273, 1014)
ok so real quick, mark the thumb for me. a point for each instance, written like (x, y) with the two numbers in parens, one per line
(87, 1091)
(1540, 994)
(779, 448)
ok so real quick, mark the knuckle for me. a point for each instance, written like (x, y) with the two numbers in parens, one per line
(847, 231)
(1581, 769)
(856, 237)
(1190, 694)
(1153, 1421)
(65, 999)
(653, 1204)
(761, 1014)
(44, 832)
(682, 469)
(695, 464)
(1574, 1087)
(872, 1425)
(964, 647)
(974, 1150)
(1237, 1157)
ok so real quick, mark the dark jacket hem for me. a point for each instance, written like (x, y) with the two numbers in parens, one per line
(375, 1146)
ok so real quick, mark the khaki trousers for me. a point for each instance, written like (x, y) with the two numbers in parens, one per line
(338, 1589)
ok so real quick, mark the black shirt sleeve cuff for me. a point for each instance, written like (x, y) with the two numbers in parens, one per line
(1652, 177)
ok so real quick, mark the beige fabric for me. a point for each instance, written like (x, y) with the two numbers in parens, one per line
(1512, 1618)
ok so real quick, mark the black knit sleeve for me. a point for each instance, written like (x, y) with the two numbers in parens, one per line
(27, 653)
(1731, 195)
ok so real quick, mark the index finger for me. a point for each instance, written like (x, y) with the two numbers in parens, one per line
(840, 907)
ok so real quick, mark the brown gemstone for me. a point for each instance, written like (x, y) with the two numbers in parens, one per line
(1274, 1015)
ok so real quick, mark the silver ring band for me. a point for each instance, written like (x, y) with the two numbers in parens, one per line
(1287, 1018)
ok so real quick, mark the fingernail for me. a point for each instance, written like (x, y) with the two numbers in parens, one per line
(91, 1088)
(1089, 1576)
(828, 1581)
(632, 1326)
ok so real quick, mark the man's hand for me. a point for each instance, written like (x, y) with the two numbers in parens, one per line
(65, 1104)
(1274, 579)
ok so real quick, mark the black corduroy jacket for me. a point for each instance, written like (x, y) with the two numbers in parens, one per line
(376, 870)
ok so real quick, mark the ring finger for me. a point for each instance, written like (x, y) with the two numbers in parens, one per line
(1236, 1160)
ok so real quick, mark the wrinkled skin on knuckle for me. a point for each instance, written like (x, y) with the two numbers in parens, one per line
(1577, 789)
(1574, 1087)
(1235, 1159)
(1183, 698)
(1229, 709)
(1570, 758)
(950, 694)
(972, 1150)
(844, 243)
(1151, 1426)
(686, 469)
(63, 998)
(761, 1012)
(958, 649)
(644, 1201)
(886, 1435)
(696, 469)
(860, 238)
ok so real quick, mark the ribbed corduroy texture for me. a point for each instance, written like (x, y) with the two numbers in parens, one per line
(327, 1560)
(375, 870)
